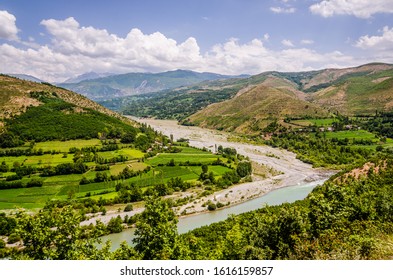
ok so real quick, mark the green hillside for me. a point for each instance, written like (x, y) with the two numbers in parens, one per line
(40, 112)
(255, 110)
(358, 94)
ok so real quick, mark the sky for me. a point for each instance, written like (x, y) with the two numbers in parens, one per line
(56, 40)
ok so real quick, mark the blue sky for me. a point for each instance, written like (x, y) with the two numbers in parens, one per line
(55, 40)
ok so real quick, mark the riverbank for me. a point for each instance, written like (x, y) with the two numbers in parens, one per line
(287, 170)
(230, 197)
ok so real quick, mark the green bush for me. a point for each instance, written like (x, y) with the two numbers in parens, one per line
(128, 208)
(13, 238)
(211, 206)
(115, 225)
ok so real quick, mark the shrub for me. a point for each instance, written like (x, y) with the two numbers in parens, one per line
(211, 206)
(220, 205)
(115, 225)
(128, 208)
(13, 238)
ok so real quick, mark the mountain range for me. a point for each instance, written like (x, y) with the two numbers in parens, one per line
(107, 87)
(358, 91)
(252, 103)
(87, 76)
(241, 104)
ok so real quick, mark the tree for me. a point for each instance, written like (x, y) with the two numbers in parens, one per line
(244, 168)
(7, 224)
(205, 168)
(156, 231)
(171, 162)
(142, 142)
(56, 234)
(129, 137)
(4, 167)
(115, 225)
(9, 140)
(128, 208)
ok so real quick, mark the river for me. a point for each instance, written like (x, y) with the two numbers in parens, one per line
(295, 179)
(187, 223)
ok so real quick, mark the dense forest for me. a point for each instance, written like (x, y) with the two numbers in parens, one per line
(55, 116)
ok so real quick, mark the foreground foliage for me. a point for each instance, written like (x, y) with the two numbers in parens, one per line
(56, 234)
(349, 217)
(343, 219)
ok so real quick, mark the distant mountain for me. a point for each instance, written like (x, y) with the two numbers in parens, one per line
(138, 83)
(87, 76)
(26, 77)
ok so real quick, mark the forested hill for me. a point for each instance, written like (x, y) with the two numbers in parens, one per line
(41, 112)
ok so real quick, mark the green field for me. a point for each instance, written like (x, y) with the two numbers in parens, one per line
(354, 135)
(351, 134)
(43, 160)
(64, 146)
(128, 152)
(314, 122)
(194, 156)
(63, 186)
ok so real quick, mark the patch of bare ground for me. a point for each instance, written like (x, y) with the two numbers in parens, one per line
(380, 80)
(389, 105)
(244, 90)
(362, 171)
(18, 105)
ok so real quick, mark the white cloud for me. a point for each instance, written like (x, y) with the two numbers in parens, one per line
(358, 8)
(75, 49)
(280, 10)
(383, 43)
(8, 29)
(378, 48)
(307, 42)
(287, 43)
(253, 57)
(266, 36)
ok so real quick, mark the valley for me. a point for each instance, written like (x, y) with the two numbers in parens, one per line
(63, 154)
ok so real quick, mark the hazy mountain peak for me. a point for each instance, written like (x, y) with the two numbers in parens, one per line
(26, 77)
(87, 76)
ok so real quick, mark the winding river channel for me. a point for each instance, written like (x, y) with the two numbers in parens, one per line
(187, 223)
(293, 179)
